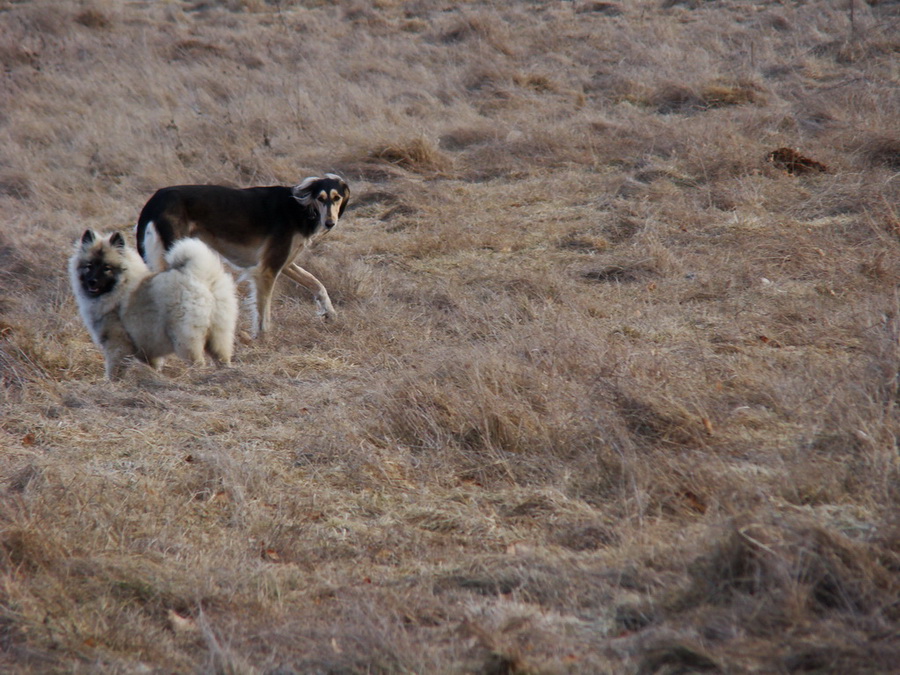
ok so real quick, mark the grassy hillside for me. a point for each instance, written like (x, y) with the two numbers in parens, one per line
(608, 391)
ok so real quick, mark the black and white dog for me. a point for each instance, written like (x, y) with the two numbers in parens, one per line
(259, 229)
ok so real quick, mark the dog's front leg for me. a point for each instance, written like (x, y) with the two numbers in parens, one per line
(324, 308)
(117, 347)
(115, 358)
(114, 367)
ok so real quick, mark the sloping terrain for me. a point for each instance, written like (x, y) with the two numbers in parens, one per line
(613, 385)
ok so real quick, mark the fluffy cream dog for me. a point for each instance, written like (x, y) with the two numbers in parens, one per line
(131, 312)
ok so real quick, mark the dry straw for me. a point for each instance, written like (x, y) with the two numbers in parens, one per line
(607, 391)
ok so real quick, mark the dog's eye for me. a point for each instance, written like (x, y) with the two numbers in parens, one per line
(107, 269)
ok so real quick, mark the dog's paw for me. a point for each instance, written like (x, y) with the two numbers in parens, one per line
(325, 309)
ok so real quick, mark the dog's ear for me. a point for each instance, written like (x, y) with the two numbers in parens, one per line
(303, 192)
(345, 193)
(117, 240)
(87, 238)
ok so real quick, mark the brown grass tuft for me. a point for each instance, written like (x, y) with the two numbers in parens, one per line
(92, 17)
(789, 572)
(478, 27)
(792, 564)
(418, 155)
(677, 98)
(882, 151)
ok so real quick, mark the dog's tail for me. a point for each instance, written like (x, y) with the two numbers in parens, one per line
(197, 260)
(152, 249)
(192, 256)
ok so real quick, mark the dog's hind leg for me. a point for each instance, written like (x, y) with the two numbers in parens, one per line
(263, 284)
(192, 353)
(324, 307)
(223, 323)
(220, 348)
(188, 345)
(220, 343)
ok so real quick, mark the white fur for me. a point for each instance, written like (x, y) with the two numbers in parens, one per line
(186, 309)
(153, 248)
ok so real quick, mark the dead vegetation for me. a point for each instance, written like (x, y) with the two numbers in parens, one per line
(608, 391)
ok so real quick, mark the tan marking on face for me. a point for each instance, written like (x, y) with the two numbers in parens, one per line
(329, 205)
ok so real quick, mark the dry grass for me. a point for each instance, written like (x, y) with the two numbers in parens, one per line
(608, 391)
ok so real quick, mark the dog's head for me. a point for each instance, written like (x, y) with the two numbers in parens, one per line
(326, 196)
(99, 262)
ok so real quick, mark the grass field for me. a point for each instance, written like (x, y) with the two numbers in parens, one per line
(607, 392)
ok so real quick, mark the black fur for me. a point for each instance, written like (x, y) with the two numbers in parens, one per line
(96, 275)
(233, 212)
(259, 228)
(235, 215)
